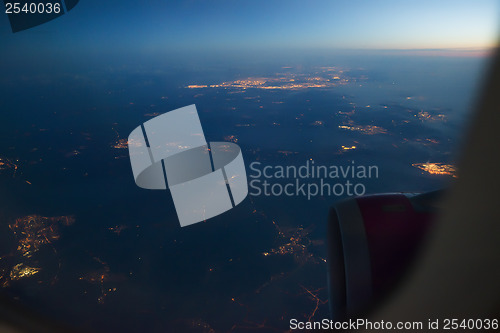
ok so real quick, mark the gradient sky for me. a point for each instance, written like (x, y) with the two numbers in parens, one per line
(158, 26)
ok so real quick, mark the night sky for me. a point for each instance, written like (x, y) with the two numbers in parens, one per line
(153, 26)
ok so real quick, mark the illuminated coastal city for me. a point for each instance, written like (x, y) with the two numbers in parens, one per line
(7, 164)
(437, 168)
(32, 233)
(327, 77)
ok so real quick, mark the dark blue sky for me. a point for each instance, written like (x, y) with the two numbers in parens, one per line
(169, 26)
